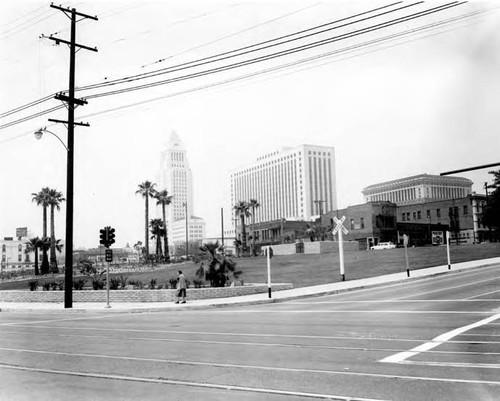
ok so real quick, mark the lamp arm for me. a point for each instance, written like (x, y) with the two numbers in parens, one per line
(60, 140)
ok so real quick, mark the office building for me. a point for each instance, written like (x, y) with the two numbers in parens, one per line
(294, 183)
(176, 177)
(419, 189)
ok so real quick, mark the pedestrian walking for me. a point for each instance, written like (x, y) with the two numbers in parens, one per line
(181, 288)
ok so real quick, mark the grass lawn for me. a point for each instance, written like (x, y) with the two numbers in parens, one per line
(305, 270)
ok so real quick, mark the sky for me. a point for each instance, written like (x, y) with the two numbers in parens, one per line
(394, 102)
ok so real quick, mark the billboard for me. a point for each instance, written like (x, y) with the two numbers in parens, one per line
(21, 232)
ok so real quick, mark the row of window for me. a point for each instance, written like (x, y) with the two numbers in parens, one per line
(417, 215)
(19, 248)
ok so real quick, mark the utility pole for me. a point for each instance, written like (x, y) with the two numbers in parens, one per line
(71, 103)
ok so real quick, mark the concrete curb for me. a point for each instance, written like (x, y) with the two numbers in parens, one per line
(356, 285)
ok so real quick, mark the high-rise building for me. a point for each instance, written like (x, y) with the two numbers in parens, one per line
(294, 183)
(176, 177)
(419, 189)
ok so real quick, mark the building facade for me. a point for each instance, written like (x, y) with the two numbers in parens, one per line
(421, 188)
(294, 183)
(176, 177)
(424, 223)
(14, 255)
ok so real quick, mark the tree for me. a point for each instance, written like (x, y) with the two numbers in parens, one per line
(158, 231)
(254, 204)
(164, 199)
(491, 214)
(219, 265)
(32, 246)
(45, 244)
(147, 190)
(242, 209)
(42, 199)
(311, 232)
(55, 199)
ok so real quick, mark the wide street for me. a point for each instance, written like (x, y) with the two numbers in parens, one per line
(431, 339)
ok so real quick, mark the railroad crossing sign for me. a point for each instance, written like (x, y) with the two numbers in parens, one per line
(339, 225)
(339, 228)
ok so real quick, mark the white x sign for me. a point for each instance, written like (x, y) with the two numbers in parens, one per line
(339, 225)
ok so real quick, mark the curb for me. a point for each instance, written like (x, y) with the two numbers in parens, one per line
(242, 303)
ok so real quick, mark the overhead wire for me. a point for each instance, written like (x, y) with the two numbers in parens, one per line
(107, 83)
(288, 65)
(203, 61)
(280, 53)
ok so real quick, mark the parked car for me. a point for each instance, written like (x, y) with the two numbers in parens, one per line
(383, 245)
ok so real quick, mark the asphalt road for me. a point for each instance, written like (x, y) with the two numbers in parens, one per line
(431, 339)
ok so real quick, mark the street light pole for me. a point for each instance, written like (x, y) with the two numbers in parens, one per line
(187, 237)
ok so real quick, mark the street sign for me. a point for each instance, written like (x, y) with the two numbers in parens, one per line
(109, 255)
(339, 225)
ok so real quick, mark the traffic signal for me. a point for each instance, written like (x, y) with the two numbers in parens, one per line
(111, 236)
(103, 236)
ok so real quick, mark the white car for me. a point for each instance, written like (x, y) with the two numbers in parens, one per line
(383, 245)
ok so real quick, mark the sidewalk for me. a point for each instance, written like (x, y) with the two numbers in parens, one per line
(278, 296)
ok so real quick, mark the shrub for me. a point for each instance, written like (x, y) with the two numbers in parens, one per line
(46, 286)
(198, 283)
(152, 283)
(159, 286)
(173, 283)
(33, 284)
(60, 285)
(123, 280)
(98, 283)
(78, 283)
(114, 283)
(188, 283)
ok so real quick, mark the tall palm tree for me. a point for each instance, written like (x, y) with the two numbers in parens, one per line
(42, 199)
(147, 190)
(55, 199)
(164, 199)
(242, 209)
(254, 204)
(32, 246)
(158, 231)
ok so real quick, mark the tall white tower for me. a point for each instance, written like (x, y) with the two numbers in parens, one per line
(176, 178)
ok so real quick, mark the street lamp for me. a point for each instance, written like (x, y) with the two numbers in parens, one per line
(68, 261)
(185, 204)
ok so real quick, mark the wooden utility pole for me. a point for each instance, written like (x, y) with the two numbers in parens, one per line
(71, 103)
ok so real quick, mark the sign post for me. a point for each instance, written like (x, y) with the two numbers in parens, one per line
(269, 254)
(405, 242)
(340, 229)
(448, 249)
(109, 259)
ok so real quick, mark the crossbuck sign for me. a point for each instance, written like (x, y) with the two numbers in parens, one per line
(339, 225)
(339, 228)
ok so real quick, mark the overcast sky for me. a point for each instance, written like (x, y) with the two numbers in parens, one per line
(392, 106)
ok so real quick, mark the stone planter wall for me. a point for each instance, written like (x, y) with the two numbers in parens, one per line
(137, 295)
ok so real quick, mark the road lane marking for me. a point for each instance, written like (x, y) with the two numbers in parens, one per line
(191, 384)
(454, 364)
(439, 340)
(247, 343)
(387, 301)
(480, 295)
(273, 369)
(446, 289)
(30, 323)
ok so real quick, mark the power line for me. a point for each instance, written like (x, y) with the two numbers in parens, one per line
(200, 61)
(203, 61)
(280, 53)
(336, 53)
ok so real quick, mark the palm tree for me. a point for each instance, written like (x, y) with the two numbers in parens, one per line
(42, 199)
(241, 209)
(55, 199)
(32, 246)
(158, 231)
(254, 204)
(147, 190)
(219, 266)
(164, 199)
(45, 244)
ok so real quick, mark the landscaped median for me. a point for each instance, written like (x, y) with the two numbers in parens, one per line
(157, 295)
